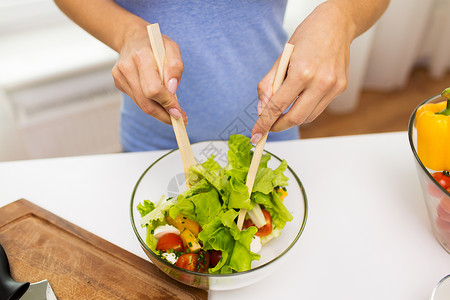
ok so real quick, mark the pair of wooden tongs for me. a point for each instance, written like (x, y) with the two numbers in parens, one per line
(184, 145)
(253, 169)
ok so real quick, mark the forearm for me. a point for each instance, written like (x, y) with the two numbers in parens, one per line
(362, 13)
(104, 19)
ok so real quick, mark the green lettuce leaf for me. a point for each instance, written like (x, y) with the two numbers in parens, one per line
(202, 204)
(215, 236)
(156, 216)
(222, 234)
(153, 216)
(210, 170)
(145, 207)
(238, 194)
(272, 203)
(241, 258)
(267, 179)
(280, 179)
(280, 214)
(214, 200)
(239, 155)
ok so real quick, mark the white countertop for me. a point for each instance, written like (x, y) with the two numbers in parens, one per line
(367, 235)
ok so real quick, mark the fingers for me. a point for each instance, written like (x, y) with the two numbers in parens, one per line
(277, 104)
(150, 83)
(317, 73)
(308, 92)
(120, 81)
(136, 74)
(265, 88)
(311, 103)
(127, 80)
(173, 66)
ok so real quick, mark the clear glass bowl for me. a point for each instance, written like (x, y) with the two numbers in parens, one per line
(165, 177)
(437, 199)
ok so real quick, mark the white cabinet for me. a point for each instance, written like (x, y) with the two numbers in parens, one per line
(57, 95)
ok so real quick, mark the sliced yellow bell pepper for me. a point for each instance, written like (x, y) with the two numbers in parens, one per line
(281, 193)
(182, 223)
(433, 134)
(190, 241)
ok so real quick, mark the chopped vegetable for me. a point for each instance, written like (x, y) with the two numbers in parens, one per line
(182, 222)
(170, 241)
(206, 213)
(158, 212)
(443, 178)
(433, 134)
(281, 193)
(190, 241)
(264, 230)
(198, 262)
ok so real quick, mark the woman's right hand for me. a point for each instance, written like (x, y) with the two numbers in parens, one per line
(136, 74)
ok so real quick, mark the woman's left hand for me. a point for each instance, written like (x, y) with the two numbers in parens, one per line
(317, 72)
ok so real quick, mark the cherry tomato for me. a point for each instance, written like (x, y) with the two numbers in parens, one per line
(445, 203)
(264, 230)
(443, 225)
(214, 257)
(197, 262)
(443, 178)
(170, 241)
(443, 214)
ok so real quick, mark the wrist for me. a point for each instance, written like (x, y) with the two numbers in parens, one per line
(344, 12)
(132, 28)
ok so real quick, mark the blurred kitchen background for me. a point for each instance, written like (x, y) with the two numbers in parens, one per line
(57, 96)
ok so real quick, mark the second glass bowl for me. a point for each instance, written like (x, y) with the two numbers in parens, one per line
(437, 199)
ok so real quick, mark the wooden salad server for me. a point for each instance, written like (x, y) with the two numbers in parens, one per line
(184, 145)
(278, 81)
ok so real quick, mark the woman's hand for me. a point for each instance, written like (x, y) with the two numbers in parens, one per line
(317, 72)
(136, 74)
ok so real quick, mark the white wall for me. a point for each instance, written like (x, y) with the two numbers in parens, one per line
(397, 40)
(410, 33)
(57, 95)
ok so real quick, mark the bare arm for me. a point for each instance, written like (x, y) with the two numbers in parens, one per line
(318, 70)
(104, 19)
(135, 72)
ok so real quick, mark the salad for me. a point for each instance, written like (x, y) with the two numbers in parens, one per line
(197, 230)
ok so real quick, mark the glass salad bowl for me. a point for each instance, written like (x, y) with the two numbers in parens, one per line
(437, 199)
(165, 177)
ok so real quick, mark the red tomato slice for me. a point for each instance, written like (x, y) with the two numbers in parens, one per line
(197, 262)
(170, 241)
(264, 230)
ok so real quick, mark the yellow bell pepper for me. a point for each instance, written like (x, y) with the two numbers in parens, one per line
(281, 193)
(433, 134)
(182, 223)
(190, 241)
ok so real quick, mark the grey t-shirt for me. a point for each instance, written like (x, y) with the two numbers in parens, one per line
(227, 47)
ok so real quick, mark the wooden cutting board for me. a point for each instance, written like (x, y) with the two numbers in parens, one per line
(77, 263)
